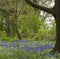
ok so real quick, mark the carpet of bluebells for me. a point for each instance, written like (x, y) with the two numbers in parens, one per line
(24, 49)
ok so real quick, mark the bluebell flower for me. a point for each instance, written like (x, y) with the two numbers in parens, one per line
(26, 47)
(23, 41)
(4, 45)
(12, 44)
(36, 48)
(3, 41)
(30, 48)
(45, 47)
(16, 41)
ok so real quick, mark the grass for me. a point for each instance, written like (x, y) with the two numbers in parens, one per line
(27, 50)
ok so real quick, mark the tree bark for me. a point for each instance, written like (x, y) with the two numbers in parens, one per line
(57, 11)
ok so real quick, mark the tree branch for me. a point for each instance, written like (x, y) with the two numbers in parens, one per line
(48, 10)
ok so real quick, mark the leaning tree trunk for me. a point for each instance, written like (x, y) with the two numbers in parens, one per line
(55, 11)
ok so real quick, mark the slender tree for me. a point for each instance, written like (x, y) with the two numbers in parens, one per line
(16, 19)
(55, 11)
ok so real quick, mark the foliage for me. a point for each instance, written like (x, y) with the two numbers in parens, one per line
(30, 25)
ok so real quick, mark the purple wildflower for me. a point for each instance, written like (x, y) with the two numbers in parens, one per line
(4, 45)
(45, 47)
(23, 41)
(12, 44)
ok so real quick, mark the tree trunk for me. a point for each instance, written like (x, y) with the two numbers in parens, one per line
(17, 31)
(57, 45)
(9, 27)
(16, 20)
